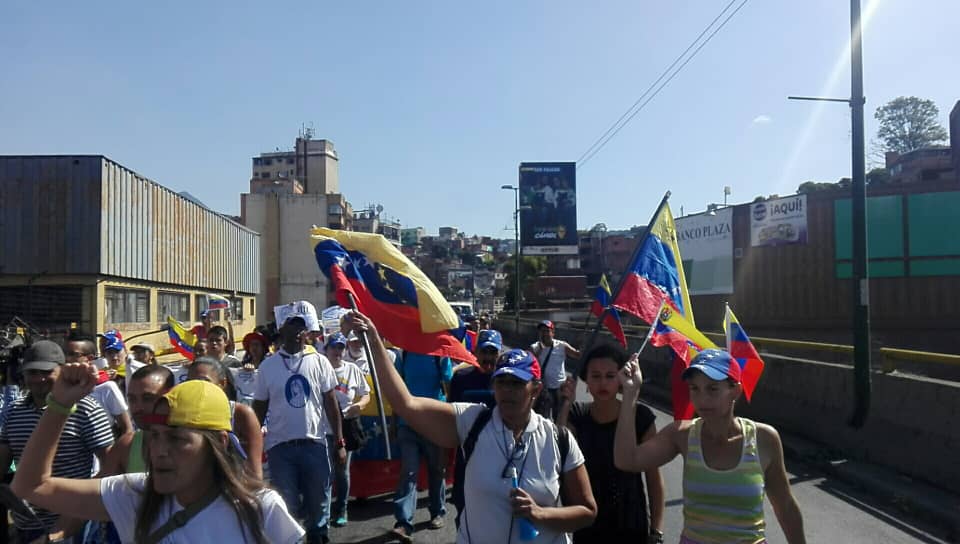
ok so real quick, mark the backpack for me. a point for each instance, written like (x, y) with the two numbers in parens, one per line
(465, 451)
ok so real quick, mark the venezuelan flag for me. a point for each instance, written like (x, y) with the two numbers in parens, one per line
(181, 338)
(601, 301)
(217, 302)
(407, 308)
(672, 329)
(742, 351)
(656, 274)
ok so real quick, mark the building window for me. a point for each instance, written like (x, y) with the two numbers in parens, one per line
(289, 160)
(267, 162)
(201, 301)
(127, 305)
(236, 308)
(253, 310)
(176, 305)
(256, 162)
(265, 175)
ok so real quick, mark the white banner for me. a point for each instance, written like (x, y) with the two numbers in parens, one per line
(779, 222)
(706, 247)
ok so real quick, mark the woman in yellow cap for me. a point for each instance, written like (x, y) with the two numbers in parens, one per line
(194, 470)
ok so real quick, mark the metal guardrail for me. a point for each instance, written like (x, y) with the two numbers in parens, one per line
(890, 356)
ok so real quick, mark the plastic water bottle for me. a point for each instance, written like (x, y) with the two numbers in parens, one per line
(528, 531)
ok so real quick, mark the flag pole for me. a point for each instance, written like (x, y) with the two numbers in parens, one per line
(376, 382)
(623, 277)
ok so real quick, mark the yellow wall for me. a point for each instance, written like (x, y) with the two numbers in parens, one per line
(160, 340)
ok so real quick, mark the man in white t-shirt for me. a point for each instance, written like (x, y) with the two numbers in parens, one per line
(552, 355)
(297, 385)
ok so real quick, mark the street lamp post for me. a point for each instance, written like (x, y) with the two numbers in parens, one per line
(861, 276)
(516, 252)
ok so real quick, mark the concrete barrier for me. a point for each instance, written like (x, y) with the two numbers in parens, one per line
(912, 426)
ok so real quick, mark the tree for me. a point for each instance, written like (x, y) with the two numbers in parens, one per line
(908, 123)
(530, 268)
(877, 177)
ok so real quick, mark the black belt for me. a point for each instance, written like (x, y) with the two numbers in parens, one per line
(299, 442)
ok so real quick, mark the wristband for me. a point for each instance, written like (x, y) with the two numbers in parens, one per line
(342, 443)
(60, 408)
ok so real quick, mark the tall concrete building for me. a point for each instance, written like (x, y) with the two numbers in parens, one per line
(290, 192)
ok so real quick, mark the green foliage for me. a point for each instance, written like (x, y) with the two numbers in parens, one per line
(908, 123)
(530, 268)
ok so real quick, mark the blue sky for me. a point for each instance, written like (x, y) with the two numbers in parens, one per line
(432, 105)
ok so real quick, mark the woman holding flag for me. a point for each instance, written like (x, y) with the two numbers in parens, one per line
(729, 462)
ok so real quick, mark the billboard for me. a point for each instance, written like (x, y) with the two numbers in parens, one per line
(548, 214)
(779, 221)
(706, 247)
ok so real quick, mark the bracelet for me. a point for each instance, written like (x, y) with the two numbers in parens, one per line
(342, 443)
(58, 408)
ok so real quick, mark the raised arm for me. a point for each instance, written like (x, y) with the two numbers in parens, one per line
(34, 480)
(777, 486)
(627, 454)
(251, 438)
(431, 418)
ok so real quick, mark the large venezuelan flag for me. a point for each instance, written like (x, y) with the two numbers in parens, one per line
(407, 308)
(181, 338)
(742, 351)
(601, 301)
(656, 274)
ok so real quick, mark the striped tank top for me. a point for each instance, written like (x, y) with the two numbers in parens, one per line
(723, 506)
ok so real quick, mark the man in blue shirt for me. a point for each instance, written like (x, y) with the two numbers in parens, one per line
(472, 383)
(425, 376)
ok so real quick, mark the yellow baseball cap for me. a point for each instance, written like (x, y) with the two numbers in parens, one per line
(195, 404)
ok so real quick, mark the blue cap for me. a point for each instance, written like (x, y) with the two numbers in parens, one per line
(546, 323)
(717, 364)
(205, 313)
(113, 343)
(489, 339)
(518, 363)
(337, 338)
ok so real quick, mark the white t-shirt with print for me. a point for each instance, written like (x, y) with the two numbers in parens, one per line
(246, 383)
(216, 523)
(487, 514)
(555, 373)
(360, 361)
(351, 384)
(293, 386)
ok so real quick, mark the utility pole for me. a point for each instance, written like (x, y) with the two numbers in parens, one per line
(516, 252)
(860, 281)
(861, 277)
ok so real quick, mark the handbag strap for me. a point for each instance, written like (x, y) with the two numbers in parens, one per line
(182, 517)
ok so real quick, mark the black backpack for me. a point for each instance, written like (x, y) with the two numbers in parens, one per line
(465, 451)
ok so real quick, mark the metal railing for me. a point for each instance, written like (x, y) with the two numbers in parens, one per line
(890, 356)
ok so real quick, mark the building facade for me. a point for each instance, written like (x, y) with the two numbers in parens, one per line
(91, 244)
(283, 204)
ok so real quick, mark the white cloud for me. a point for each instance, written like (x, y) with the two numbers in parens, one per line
(762, 120)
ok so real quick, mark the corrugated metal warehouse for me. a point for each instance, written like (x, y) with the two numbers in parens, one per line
(85, 240)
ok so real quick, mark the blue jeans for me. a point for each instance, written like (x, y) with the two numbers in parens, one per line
(303, 469)
(340, 481)
(412, 447)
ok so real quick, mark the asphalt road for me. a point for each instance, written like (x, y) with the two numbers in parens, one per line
(833, 512)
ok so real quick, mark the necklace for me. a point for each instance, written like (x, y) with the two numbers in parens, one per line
(289, 366)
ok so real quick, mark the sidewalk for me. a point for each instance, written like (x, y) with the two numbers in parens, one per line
(906, 494)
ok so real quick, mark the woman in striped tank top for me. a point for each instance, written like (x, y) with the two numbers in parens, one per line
(729, 462)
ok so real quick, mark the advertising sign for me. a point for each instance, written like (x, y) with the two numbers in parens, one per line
(706, 247)
(778, 222)
(548, 214)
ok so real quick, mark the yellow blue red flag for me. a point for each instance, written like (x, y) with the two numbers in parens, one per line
(743, 352)
(601, 302)
(181, 338)
(406, 306)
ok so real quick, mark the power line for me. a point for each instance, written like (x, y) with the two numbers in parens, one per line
(634, 109)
